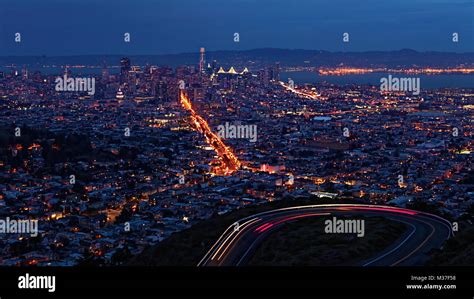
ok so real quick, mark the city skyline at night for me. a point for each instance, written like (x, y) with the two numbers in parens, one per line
(307, 145)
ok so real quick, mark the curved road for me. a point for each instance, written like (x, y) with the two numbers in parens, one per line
(425, 231)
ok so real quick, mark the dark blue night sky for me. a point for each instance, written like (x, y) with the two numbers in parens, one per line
(71, 27)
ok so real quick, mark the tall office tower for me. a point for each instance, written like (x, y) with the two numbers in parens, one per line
(202, 61)
(161, 90)
(267, 75)
(25, 73)
(276, 72)
(105, 73)
(125, 67)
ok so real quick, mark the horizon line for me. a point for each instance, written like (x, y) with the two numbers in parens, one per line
(244, 50)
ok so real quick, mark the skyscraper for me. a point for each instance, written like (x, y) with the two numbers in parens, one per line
(105, 73)
(202, 61)
(125, 67)
(276, 72)
(25, 73)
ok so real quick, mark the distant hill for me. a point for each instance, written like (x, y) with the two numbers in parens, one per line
(265, 56)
